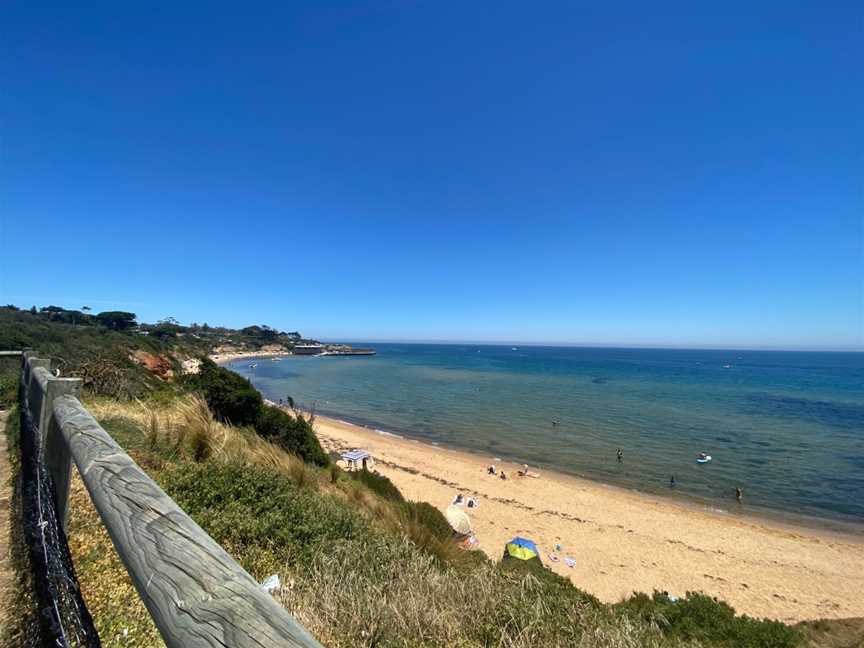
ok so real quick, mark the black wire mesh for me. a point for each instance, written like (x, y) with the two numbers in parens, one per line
(64, 619)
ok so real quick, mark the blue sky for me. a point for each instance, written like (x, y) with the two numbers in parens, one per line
(610, 173)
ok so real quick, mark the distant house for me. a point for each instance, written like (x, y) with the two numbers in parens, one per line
(308, 349)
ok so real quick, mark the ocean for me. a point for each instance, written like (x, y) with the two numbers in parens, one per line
(786, 427)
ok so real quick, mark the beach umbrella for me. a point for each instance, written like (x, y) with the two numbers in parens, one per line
(521, 548)
(458, 519)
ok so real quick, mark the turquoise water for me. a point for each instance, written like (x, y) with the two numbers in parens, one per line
(788, 427)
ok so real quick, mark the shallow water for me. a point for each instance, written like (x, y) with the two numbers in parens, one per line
(788, 427)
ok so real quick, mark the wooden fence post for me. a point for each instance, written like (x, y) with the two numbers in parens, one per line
(42, 390)
(32, 391)
(56, 452)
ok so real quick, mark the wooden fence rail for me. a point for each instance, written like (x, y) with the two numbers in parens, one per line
(196, 593)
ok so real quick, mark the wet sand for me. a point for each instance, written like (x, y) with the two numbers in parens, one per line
(624, 541)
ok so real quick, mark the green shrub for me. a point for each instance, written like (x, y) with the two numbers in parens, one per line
(294, 434)
(231, 397)
(248, 508)
(698, 617)
(378, 484)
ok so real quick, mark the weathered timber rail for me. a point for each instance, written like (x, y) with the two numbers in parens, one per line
(196, 593)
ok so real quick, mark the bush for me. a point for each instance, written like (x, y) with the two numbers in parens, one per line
(698, 617)
(234, 400)
(252, 509)
(292, 433)
(231, 397)
(378, 484)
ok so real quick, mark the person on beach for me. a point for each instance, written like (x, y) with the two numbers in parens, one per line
(490, 470)
(672, 481)
(458, 499)
(503, 476)
(620, 455)
(739, 494)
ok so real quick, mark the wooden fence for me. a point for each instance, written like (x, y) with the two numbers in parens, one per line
(196, 593)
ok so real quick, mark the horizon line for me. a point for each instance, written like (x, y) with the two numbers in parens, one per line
(595, 345)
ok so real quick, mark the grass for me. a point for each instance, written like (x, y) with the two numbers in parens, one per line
(19, 606)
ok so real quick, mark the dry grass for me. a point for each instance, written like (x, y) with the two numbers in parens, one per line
(118, 613)
(188, 429)
(414, 602)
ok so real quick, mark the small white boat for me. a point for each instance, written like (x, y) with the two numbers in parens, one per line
(253, 365)
(703, 458)
(515, 349)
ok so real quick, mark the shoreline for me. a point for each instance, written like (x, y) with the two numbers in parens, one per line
(838, 526)
(841, 528)
(763, 567)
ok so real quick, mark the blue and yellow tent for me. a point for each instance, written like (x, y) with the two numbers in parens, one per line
(522, 549)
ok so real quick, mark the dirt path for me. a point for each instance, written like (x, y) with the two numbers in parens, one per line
(5, 498)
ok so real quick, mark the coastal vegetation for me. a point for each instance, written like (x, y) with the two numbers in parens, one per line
(234, 400)
(115, 355)
(358, 564)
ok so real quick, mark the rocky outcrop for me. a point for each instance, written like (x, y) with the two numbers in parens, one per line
(158, 365)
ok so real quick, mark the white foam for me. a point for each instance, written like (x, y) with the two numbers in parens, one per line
(390, 434)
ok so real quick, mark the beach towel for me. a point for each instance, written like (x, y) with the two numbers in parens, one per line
(570, 562)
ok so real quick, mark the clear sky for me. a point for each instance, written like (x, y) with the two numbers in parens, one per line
(615, 173)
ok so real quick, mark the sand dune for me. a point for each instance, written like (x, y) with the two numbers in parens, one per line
(624, 541)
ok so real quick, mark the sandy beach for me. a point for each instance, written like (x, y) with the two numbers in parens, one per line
(623, 541)
(225, 357)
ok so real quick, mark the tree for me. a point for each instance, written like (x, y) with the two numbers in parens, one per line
(163, 330)
(117, 320)
(33, 310)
